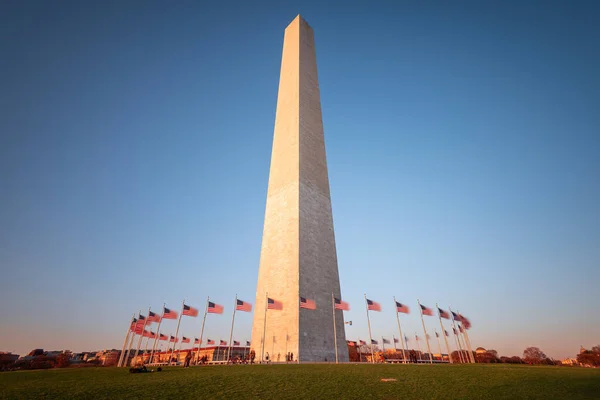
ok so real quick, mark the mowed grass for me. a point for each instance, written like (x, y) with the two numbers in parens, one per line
(307, 381)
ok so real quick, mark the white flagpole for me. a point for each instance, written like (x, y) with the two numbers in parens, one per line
(444, 333)
(202, 330)
(458, 348)
(400, 331)
(370, 337)
(461, 330)
(122, 355)
(469, 344)
(126, 360)
(157, 334)
(141, 336)
(176, 332)
(231, 331)
(425, 331)
(418, 346)
(439, 344)
(264, 339)
(383, 347)
(334, 328)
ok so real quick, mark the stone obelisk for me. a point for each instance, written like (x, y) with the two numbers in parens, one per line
(298, 256)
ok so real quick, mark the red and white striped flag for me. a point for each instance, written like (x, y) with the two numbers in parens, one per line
(402, 308)
(236, 343)
(443, 314)
(185, 339)
(307, 303)
(189, 311)
(426, 310)
(169, 314)
(153, 317)
(196, 341)
(210, 341)
(341, 305)
(274, 304)
(222, 343)
(163, 337)
(214, 308)
(243, 306)
(173, 339)
(373, 305)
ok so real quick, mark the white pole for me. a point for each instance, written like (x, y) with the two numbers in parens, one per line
(126, 360)
(418, 346)
(202, 330)
(264, 339)
(439, 345)
(370, 337)
(469, 344)
(334, 328)
(122, 355)
(425, 331)
(157, 334)
(141, 336)
(456, 333)
(176, 332)
(444, 333)
(231, 331)
(400, 330)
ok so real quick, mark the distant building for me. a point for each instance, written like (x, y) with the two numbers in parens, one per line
(480, 350)
(569, 361)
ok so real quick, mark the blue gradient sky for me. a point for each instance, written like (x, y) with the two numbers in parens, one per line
(463, 142)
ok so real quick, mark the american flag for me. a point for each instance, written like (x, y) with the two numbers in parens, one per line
(163, 337)
(373, 305)
(189, 311)
(385, 341)
(185, 339)
(460, 328)
(153, 317)
(443, 314)
(247, 343)
(402, 308)
(455, 333)
(456, 317)
(426, 310)
(396, 340)
(210, 341)
(196, 341)
(214, 308)
(417, 337)
(446, 332)
(146, 334)
(236, 343)
(465, 321)
(405, 339)
(169, 314)
(222, 343)
(351, 343)
(341, 305)
(243, 306)
(173, 339)
(274, 304)
(133, 325)
(307, 303)
(373, 341)
(362, 342)
(437, 334)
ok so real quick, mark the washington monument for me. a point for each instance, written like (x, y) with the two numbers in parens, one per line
(298, 256)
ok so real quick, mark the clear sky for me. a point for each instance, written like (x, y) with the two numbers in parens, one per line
(463, 143)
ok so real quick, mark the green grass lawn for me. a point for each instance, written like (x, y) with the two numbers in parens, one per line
(316, 381)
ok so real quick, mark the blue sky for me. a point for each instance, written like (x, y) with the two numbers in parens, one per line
(463, 143)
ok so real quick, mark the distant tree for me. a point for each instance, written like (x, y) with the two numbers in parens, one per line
(533, 355)
(589, 358)
(596, 349)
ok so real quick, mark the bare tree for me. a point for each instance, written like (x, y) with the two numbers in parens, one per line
(533, 355)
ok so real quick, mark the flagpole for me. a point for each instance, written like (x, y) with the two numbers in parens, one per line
(444, 333)
(334, 327)
(370, 337)
(400, 330)
(157, 333)
(461, 330)
(418, 346)
(459, 349)
(122, 355)
(142, 335)
(202, 330)
(425, 331)
(359, 353)
(264, 339)
(395, 347)
(176, 332)
(231, 331)
(439, 344)
(469, 344)
(383, 347)
(126, 360)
